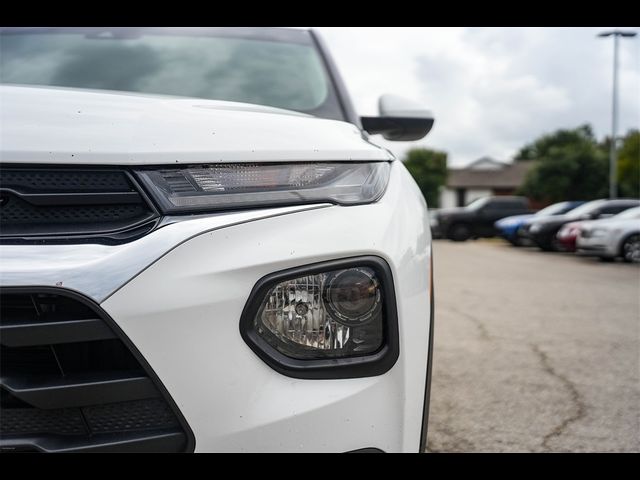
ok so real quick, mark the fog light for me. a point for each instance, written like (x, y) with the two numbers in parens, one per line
(353, 296)
(329, 314)
(331, 320)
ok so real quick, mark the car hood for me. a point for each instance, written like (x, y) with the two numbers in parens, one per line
(73, 126)
(513, 220)
(551, 220)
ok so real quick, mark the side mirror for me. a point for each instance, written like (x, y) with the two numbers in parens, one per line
(399, 120)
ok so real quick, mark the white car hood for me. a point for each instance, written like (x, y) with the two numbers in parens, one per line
(72, 126)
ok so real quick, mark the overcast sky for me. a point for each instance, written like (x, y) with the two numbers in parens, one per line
(491, 89)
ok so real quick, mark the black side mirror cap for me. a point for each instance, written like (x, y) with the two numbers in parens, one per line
(400, 120)
(400, 129)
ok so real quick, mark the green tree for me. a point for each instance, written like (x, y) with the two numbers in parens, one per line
(570, 166)
(629, 165)
(429, 169)
(541, 146)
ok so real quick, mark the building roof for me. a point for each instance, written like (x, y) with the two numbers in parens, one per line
(502, 175)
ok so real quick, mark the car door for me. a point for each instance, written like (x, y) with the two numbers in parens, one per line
(487, 216)
(497, 210)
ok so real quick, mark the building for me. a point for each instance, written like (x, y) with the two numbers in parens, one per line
(483, 177)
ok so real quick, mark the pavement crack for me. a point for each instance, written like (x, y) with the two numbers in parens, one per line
(479, 324)
(579, 408)
(448, 438)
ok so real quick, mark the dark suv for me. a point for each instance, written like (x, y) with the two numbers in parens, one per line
(476, 219)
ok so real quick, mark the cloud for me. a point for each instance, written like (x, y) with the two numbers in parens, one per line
(492, 89)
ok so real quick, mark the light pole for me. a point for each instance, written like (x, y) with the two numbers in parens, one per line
(613, 190)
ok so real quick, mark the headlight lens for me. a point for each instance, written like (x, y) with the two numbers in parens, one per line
(228, 186)
(535, 228)
(333, 314)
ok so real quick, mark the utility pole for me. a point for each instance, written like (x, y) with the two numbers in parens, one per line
(613, 161)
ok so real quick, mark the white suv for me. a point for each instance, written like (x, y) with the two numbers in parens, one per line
(202, 250)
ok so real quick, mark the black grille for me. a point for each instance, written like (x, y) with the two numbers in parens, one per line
(68, 203)
(71, 382)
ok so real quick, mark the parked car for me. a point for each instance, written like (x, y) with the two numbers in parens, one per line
(618, 236)
(508, 227)
(543, 232)
(476, 219)
(204, 250)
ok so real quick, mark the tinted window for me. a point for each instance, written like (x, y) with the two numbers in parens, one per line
(631, 213)
(478, 203)
(506, 205)
(586, 209)
(557, 208)
(213, 64)
(613, 209)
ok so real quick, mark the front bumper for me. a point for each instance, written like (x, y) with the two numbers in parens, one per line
(436, 228)
(568, 242)
(523, 235)
(178, 295)
(597, 246)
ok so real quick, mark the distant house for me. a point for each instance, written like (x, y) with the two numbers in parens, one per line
(483, 177)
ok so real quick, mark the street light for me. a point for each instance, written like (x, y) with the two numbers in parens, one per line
(613, 191)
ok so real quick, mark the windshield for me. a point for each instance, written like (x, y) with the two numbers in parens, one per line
(275, 67)
(629, 214)
(585, 208)
(477, 203)
(555, 209)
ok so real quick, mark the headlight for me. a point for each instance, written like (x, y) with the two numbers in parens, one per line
(228, 186)
(331, 320)
(535, 228)
(598, 232)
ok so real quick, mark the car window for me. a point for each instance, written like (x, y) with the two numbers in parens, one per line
(631, 213)
(190, 63)
(552, 209)
(557, 208)
(478, 203)
(586, 208)
(506, 205)
(613, 209)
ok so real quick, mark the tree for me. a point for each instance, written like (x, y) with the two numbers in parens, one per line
(629, 165)
(541, 146)
(429, 170)
(570, 166)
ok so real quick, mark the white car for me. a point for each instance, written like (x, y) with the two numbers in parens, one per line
(609, 238)
(202, 250)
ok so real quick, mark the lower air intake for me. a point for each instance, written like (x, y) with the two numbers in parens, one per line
(70, 381)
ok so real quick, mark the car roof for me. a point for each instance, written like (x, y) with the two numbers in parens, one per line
(508, 198)
(623, 201)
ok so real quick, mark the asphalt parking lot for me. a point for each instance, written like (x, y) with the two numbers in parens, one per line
(534, 351)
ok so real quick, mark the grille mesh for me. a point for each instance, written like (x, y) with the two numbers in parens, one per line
(18, 211)
(34, 180)
(139, 415)
(62, 202)
(30, 421)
